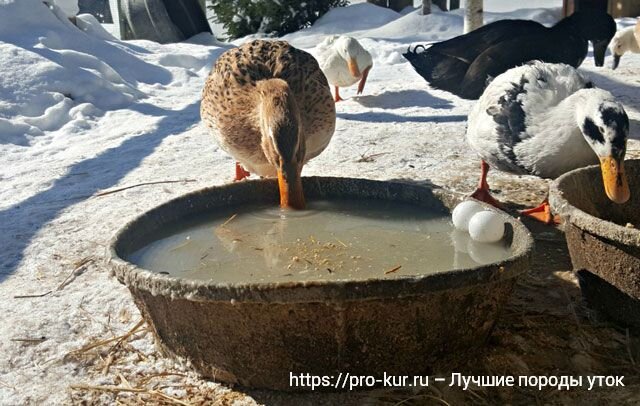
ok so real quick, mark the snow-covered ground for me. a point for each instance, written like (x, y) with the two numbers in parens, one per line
(81, 114)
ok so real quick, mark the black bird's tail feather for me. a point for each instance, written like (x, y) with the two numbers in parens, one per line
(439, 70)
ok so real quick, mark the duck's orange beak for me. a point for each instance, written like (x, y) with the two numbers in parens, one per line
(290, 184)
(353, 68)
(614, 179)
(365, 74)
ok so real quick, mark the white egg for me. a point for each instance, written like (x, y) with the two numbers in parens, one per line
(486, 226)
(463, 213)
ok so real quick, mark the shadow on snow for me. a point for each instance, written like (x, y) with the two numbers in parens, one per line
(403, 98)
(104, 171)
(384, 117)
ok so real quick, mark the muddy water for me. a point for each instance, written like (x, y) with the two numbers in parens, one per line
(331, 240)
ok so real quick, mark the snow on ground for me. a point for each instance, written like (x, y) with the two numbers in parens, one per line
(81, 113)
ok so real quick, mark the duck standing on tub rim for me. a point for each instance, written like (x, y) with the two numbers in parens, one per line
(269, 106)
(463, 65)
(627, 40)
(547, 119)
(344, 61)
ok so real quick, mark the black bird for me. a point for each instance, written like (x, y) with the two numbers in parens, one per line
(465, 64)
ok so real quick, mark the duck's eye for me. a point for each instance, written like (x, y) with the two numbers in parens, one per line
(601, 129)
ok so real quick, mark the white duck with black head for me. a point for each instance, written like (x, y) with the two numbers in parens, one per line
(344, 62)
(547, 119)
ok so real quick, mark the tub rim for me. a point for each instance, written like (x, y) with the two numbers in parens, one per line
(585, 221)
(139, 278)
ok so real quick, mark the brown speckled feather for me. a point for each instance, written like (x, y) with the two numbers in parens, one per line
(230, 100)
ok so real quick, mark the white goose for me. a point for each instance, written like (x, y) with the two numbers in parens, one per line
(344, 62)
(547, 119)
(627, 40)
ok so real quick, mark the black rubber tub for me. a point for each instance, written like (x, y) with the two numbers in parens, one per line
(255, 334)
(603, 239)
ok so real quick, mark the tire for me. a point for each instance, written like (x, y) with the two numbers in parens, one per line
(148, 19)
(188, 16)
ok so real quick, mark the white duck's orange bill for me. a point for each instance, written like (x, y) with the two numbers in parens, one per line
(365, 74)
(614, 179)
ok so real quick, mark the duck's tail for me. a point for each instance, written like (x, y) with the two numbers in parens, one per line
(439, 70)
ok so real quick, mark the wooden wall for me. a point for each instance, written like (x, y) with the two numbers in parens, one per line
(624, 8)
(617, 8)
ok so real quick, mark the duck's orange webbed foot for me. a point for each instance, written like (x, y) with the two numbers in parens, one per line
(542, 213)
(241, 173)
(482, 193)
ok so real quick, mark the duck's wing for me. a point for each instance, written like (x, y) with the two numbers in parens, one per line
(467, 47)
(229, 100)
(324, 49)
(309, 84)
(231, 84)
(497, 59)
(334, 67)
(317, 107)
(445, 64)
(364, 59)
(522, 94)
(515, 101)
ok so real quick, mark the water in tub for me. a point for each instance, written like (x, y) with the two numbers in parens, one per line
(331, 240)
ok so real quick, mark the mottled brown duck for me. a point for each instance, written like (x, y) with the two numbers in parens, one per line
(269, 106)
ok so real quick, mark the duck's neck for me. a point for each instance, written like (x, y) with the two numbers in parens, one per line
(279, 117)
(282, 144)
(570, 26)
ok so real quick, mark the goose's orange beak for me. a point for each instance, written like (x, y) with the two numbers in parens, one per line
(614, 179)
(353, 68)
(290, 184)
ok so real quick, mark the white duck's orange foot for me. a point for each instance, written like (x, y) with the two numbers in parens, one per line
(484, 195)
(542, 213)
(241, 173)
(338, 98)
